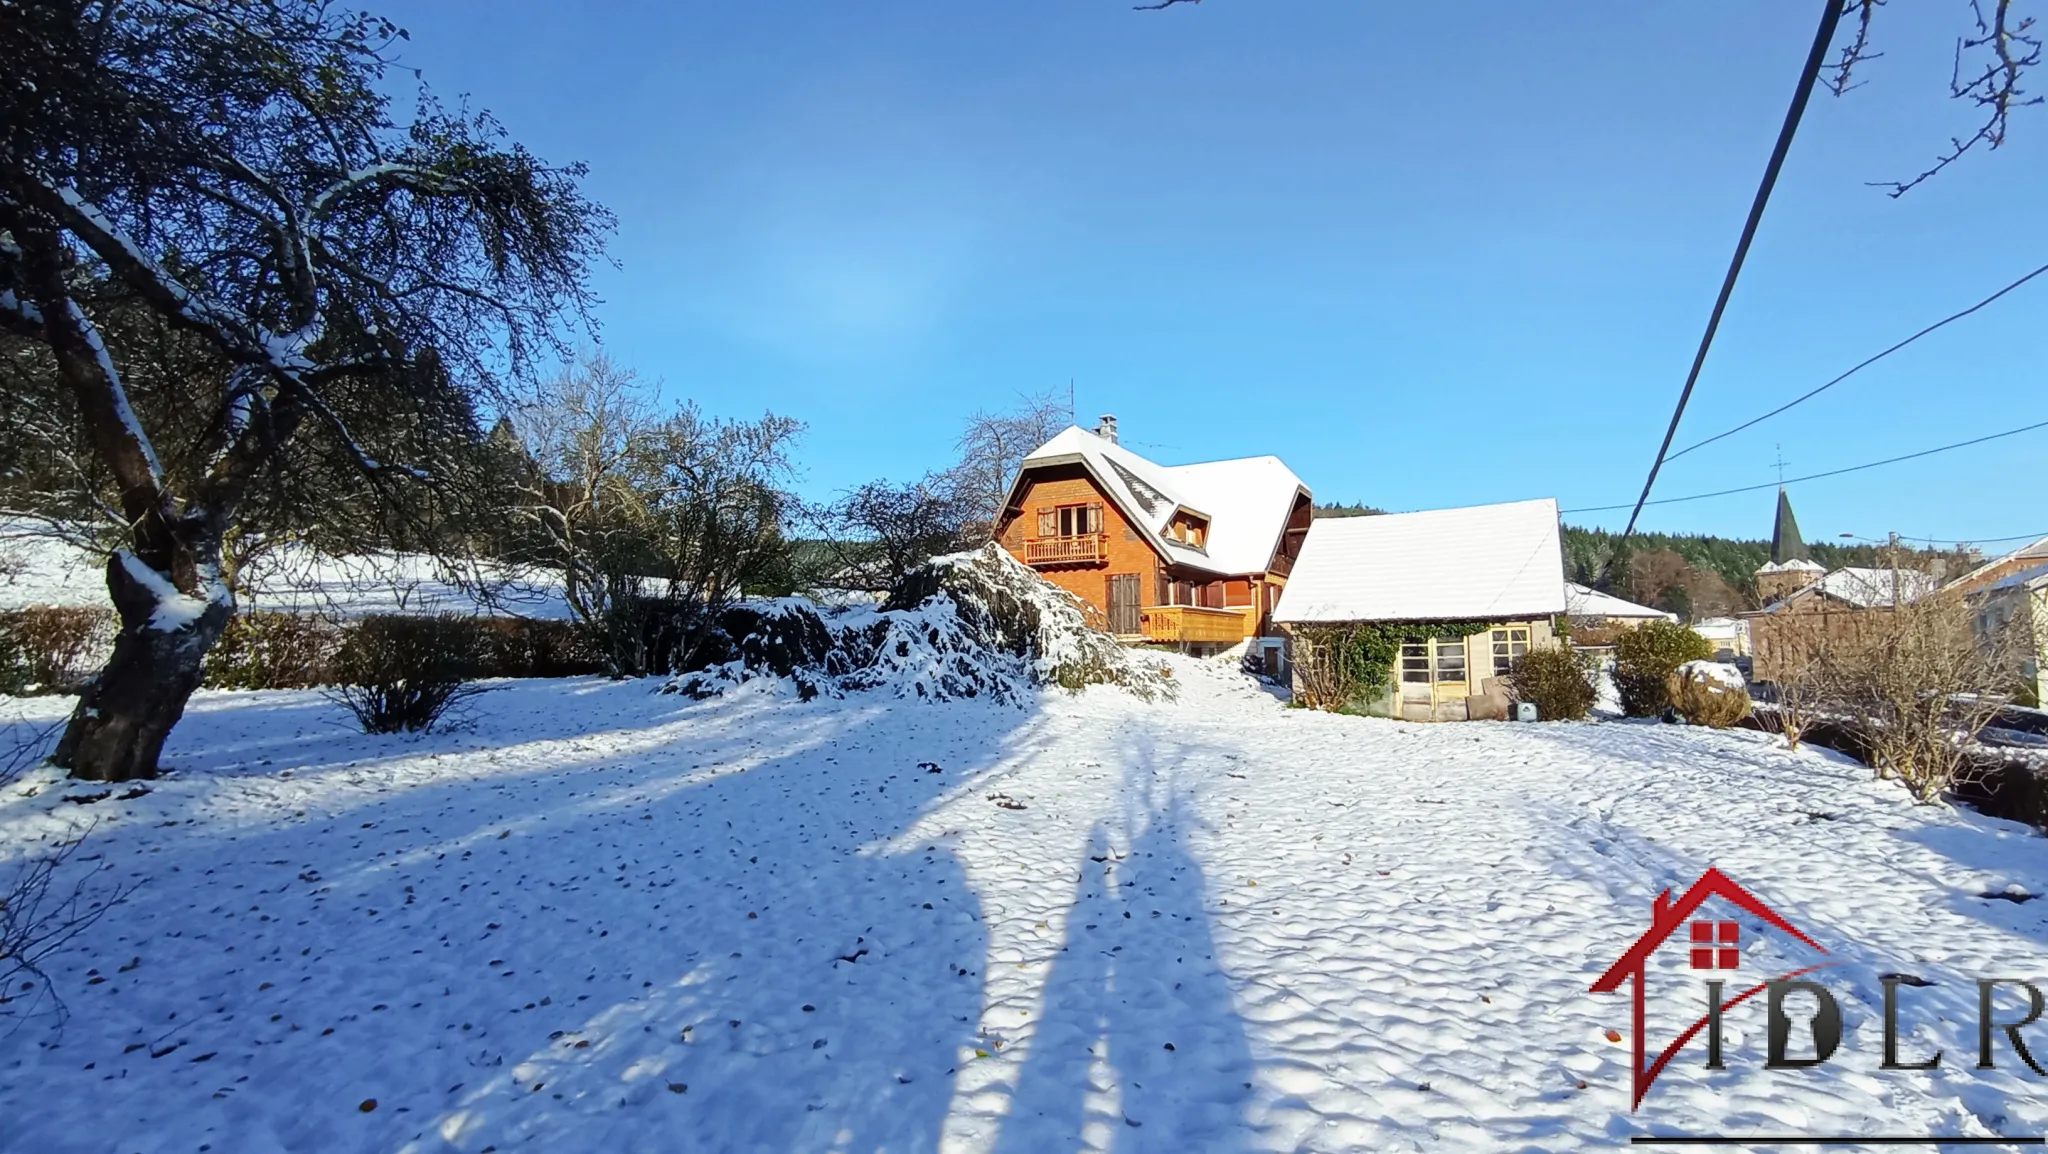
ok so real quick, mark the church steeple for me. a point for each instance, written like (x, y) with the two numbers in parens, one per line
(1791, 567)
(1786, 543)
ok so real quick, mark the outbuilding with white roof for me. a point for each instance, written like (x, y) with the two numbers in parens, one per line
(1468, 590)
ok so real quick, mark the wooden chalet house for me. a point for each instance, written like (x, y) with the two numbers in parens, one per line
(1194, 555)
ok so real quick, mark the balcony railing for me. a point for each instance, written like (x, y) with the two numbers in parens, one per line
(1190, 623)
(1080, 549)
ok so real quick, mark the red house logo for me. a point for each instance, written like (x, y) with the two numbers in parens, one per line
(1713, 945)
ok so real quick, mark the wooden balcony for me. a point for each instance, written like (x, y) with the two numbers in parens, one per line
(1189, 623)
(1081, 549)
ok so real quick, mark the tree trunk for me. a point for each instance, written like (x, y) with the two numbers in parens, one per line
(118, 730)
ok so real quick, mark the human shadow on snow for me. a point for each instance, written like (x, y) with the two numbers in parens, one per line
(1140, 1046)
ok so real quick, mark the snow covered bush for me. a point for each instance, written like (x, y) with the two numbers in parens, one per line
(1644, 658)
(55, 650)
(260, 650)
(975, 624)
(1708, 693)
(1557, 679)
(404, 673)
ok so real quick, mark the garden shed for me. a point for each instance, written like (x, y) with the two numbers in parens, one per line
(1433, 607)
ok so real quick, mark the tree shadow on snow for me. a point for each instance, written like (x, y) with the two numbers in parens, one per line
(601, 950)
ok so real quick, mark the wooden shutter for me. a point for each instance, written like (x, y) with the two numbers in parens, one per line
(1048, 522)
(1095, 517)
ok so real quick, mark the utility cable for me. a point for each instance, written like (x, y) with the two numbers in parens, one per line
(1831, 13)
(1866, 364)
(1816, 476)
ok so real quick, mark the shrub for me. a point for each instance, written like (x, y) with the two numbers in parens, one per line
(404, 673)
(1708, 693)
(55, 650)
(14, 675)
(260, 650)
(522, 647)
(1644, 658)
(1557, 679)
(1919, 685)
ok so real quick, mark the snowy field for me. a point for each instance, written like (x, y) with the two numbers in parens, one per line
(603, 919)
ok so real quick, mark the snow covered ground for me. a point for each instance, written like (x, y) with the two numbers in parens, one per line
(610, 920)
(39, 569)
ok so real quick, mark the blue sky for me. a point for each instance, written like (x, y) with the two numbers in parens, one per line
(1428, 256)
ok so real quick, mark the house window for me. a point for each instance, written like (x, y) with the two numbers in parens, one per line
(1415, 663)
(1716, 945)
(1070, 521)
(1508, 644)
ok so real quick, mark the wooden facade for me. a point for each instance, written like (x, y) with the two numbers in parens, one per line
(1062, 524)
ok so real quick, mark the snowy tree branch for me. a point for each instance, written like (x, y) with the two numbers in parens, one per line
(417, 177)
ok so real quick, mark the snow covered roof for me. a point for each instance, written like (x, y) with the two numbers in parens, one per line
(1582, 601)
(1248, 500)
(1721, 628)
(1245, 501)
(1865, 588)
(1480, 562)
(2035, 575)
(1796, 565)
(2036, 551)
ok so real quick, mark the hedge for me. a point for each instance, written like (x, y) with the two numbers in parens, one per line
(48, 649)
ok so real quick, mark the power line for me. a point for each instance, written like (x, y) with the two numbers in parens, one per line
(1864, 365)
(1813, 476)
(1831, 12)
(1961, 540)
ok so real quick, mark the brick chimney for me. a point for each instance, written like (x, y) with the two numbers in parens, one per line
(1107, 428)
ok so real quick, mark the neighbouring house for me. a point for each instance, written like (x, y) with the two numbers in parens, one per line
(2019, 601)
(1999, 568)
(1808, 609)
(1728, 635)
(1599, 619)
(1471, 589)
(1587, 605)
(1190, 555)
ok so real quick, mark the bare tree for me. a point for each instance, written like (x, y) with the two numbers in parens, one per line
(1990, 65)
(1801, 677)
(881, 531)
(232, 168)
(1917, 686)
(992, 447)
(584, 437)
(656, 522)
(719, 497)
